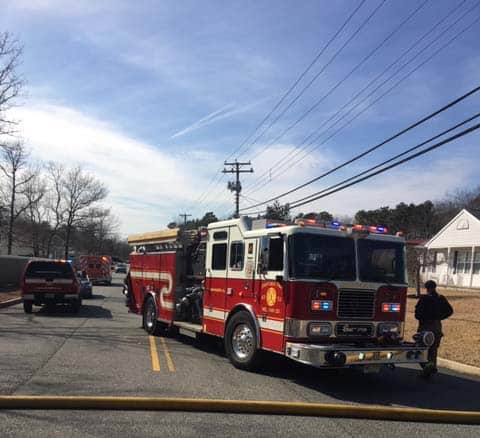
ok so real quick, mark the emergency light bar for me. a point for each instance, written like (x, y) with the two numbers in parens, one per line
(275, 225)
(377, 229)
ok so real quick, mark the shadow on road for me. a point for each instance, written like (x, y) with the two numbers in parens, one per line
(402, 386)
(399, 387)
(86, 311)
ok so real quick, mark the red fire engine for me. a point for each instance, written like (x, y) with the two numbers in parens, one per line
(327, 295)
(98, 268)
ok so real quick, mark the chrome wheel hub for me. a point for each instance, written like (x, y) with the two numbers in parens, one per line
(243, 341)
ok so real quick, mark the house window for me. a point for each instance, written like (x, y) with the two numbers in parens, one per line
(434, 262)
(236, 256)
(219, 256)
(476, 262)
(462, 262)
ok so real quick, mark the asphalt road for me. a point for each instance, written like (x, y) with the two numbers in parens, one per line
(103, 351)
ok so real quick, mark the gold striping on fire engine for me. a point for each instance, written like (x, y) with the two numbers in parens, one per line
(154, 354)
(153, 237)
(217, 289)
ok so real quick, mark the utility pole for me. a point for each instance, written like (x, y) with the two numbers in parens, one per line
(235, 186)
(184, 215)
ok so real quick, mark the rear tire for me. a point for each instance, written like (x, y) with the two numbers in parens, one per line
(241, 342)
(150, 316)
(76, 305)
(28, 306)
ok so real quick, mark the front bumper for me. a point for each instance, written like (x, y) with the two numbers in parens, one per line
(342, 355)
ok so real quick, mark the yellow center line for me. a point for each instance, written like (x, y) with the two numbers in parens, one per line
(168, 358)
(153, 352)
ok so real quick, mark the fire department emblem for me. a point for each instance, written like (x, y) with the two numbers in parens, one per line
(271, 296)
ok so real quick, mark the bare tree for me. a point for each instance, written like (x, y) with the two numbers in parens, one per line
(55, 206)
(96, 230)
(10, 81)
(36, 213)
(14, 166)
(80, 190)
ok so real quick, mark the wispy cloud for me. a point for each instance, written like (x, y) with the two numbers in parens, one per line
(225, 112)
(207, 120)
(159, 181)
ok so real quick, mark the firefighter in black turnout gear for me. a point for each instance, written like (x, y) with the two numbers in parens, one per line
(430, 310)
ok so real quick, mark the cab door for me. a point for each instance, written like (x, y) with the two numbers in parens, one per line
(215, 281)
(271, 283)
(238, 288)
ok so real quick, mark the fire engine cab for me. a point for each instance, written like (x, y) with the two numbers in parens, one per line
(327, 295)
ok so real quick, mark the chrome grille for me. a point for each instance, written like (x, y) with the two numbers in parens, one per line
(356, 304)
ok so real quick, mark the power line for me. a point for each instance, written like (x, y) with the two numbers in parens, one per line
(339, 83)
(373, 148)
(409, 158)
(302, 75)
(356, 180)
(216, 181)
(325, 66)
(418, 146)
(307, 141)
(184, 216)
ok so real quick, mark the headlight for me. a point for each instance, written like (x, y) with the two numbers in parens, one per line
(387, 328)
(319, 329)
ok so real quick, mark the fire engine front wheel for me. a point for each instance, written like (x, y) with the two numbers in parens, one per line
(241, 342)
(150, 321)
(27, 306)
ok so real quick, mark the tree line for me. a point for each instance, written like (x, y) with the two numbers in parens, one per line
(46, 209)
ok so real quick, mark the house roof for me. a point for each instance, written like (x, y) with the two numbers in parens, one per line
(474, 218)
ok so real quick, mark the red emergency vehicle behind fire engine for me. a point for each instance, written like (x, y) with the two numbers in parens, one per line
(98, 268)
(324, 295)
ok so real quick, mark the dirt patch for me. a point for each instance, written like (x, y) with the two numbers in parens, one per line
(6, 294)
(461, 341)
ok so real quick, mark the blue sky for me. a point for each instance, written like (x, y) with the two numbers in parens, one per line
(154, 96)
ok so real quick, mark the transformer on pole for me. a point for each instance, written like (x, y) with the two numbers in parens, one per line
(236, 186)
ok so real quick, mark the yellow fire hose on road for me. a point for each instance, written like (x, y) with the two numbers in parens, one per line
(239, 407)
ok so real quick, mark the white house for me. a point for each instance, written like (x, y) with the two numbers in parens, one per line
(454, 253)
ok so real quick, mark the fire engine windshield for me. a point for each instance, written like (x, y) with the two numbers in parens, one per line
(381, 261)
(322, 257)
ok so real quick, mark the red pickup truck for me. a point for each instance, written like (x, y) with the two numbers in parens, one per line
(50, 282)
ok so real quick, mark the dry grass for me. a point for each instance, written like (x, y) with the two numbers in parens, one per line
(461, 341)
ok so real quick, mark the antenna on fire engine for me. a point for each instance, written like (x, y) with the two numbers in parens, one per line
(235, 186)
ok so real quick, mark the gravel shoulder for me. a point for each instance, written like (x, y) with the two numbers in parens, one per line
(9, 294)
